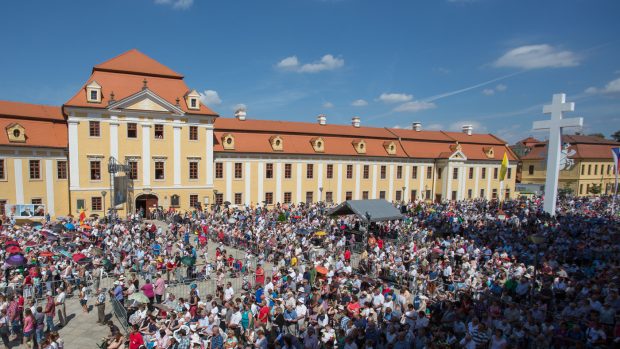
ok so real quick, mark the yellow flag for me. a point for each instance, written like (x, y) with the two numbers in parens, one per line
(504, 168)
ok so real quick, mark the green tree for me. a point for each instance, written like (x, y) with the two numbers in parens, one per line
(595, 189)
(616, 136)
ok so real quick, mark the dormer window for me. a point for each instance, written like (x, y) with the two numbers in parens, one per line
(390, 147)
(193, 100)
(318, 144)
(277, 144)
(228, 141)
(359, 146)
(16, 133)
(93, 92)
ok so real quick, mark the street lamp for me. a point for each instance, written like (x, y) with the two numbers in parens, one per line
(404, 195)
(104, 193)
(320, 194)
(538, 240)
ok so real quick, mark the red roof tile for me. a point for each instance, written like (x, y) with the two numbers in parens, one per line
(136, 62)
(27, 110)
(44, 125)
(587, 147)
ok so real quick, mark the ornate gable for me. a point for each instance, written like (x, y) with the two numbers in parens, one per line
(277, 143)
(390, 147)
(228, 141)
(489, 152)
(16, 133)
(146, 100)
(359, 145)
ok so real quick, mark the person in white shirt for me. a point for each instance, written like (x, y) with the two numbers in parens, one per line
(229, 292)
(378, 299)
(60, 305)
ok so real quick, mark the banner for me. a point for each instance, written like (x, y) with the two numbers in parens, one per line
(25, 210)
(120, 190)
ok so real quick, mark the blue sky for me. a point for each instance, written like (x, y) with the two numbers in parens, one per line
(490, 63)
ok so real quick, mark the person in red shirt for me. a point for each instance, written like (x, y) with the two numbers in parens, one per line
(135, 338)
(260, 275)
(347, 255)
(263, 314)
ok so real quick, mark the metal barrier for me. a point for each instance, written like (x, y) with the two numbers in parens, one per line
(121, 314)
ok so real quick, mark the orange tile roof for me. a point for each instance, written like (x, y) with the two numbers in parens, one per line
(124, 75)
(44, 125)
(587, 147)
(136, 62)
(27, 110)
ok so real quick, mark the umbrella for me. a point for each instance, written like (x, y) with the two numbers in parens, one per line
(321, 270)
(320, 233)
(38, 227)
(16, 260)
(232, 220)
(11, 243)
(78, 256)
(51, 236)
(58, 228)
(13, 249)
(139, 297)
(31, 243)
(85, 226)
(187, 260)
(70, 226)
(85, 260)
(163, 307)
(226, 203)
(37, 224)
(46, 254)
(96, 251)
(303, 232)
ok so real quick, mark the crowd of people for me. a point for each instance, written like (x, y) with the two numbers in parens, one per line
(469, 274)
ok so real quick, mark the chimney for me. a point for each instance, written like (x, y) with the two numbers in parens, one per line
(240, 114)
(416, 126)
(468, 129)
(355, 121)
(322, 119)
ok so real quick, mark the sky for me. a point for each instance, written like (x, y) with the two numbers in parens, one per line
(445, 63)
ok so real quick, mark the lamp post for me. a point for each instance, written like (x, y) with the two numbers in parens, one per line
(538, 240)
(404, 195)
(104, 193)
(320, 194)
(214, 198)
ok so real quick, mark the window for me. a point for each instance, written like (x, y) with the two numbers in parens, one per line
(36, 201)
(507, 194)
(239, 170)
(81, 204)
(469, 193)
(471, 173)
(132, 130)
(2, 207)
(530, 170)
(193, 133)
(414, 172)
(310, 171)
(365, 195)
(455, 173)
(438, 173)
(159, 131)
(193, 170)
(509, 173)
(269, 198)
(580, 189)
(482, 193)
(383, 171)
(589, 170)
(349, 171)
(2, 169)
(398, 195)
(238, 197)
(193, 201)
(583, 169)
(494, 194)
(329, 196)
(288, 197)
(495, 172)
(309, 197)
(453, 195)
(414, 195)
(399, 172)
(366, 171)
(428, 194)
(484, 173)
(159, 170)
(608, 169)
(175, 200)
(94, 129)
(596, 169)
(133, 170)
(61, 170)
(288, 171)
(348, 195)
(219, 170)
(95, 170)
(94, 95)
(269, 171)
(193, 103)
(382, 194)
(219, 199)
(330, 171)
(429, 172)
(96, 203)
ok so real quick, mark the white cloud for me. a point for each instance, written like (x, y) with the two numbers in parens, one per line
(176, 4)
(288, 63)
(395, 97)
(327, 62)
(328, 105)
(501, 88)
(210, 97)
(239, 106)
(488, 92)
(415, 106)
(492, 91)
(537, 56)
(359, 103)
(612, 87)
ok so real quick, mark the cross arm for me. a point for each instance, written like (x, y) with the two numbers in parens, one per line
(572, 122)
(541, 125)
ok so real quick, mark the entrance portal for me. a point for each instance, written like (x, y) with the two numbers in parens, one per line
(146, 203)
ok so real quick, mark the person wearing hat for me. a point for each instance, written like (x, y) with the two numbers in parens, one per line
(50, 310)
(100, 304)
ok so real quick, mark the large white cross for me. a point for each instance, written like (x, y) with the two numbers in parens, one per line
(557, 107)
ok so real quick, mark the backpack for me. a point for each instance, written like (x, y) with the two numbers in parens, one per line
(416, 302)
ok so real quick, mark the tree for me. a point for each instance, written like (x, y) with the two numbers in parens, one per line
(595, 189)
(616, 136)
(598, 134)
